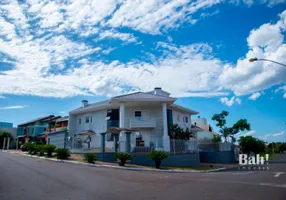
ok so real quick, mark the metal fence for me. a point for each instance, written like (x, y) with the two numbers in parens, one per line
(215, 147)
(183, 146)
(176, 147)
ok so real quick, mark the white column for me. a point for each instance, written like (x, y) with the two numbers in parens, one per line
(121, 115)
(166, 138)
(4, 143)
(8, 144)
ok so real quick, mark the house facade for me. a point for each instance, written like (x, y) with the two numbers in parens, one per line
(146, 113)
(36, 128)
(204, 131)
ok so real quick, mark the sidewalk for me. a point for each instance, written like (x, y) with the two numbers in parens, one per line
(115, 165)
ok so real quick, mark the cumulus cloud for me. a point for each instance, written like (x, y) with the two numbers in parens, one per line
(35, 38)
(265, 42)
(230, 101)
(255, 96)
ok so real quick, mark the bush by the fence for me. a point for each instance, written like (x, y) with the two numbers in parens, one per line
(39, 148)
(123, 157)
(89, 157)
(30, 147)
(157, 156)
(62, 153)
(49, 149)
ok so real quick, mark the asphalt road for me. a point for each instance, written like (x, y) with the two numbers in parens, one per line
(28, 178)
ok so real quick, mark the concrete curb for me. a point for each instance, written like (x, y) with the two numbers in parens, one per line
(121, 168)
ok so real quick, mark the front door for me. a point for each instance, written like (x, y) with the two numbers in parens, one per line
(139, 140)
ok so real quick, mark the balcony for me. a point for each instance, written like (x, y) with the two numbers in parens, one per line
(150, 123)
(112, 123)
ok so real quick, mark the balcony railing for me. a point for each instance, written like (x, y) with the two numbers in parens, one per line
(112, 123)
(150, 123)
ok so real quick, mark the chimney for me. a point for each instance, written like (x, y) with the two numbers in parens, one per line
(84, 103)
(157, 90)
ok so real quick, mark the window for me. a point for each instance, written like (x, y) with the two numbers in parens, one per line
(186, 119)
(138, 115)
(109, 137)
(79, 120)
(86, 120)
(178, 118)
(90, 119)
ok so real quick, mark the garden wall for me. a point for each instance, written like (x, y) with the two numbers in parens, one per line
(218, 157)
(180, 160)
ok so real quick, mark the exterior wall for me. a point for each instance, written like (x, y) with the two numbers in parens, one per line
(13, 131)
(200, 121)
(204, 135)
(57, 139)
(181, 123)
(150, 134)
(180, 160)
(6, 125)
(97, 125)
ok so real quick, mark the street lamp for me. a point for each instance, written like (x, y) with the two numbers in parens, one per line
(261, 59)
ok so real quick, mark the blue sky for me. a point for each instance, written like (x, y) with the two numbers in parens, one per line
(53, 54)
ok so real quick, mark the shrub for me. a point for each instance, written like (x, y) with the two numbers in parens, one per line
(39, 148)
(49, 149)
(62, 153)
(157, 156)
(123, 157)
(29, 147)
(89, 157)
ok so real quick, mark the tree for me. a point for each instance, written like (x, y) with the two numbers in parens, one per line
(4, 134)
(240, 125)
(216, 139)
(251, 144)
(175, 132)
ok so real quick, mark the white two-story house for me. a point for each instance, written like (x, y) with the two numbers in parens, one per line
(146, 112)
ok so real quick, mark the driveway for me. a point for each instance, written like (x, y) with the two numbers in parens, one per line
(33, 179)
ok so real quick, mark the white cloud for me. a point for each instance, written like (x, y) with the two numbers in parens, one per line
(12, 107)
(230, 101)
(278, 134)
(255, 96)
(36, 36)
(251, 2)
(266, 42)
(126, 37)
(153, 16)
(2, 97)
(249, 133)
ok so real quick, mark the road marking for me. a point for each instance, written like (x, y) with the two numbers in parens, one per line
(273, 185)
(241, 173)
(277, 174)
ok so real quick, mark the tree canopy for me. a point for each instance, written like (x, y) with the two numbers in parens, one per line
(240, 125)
(251, 144)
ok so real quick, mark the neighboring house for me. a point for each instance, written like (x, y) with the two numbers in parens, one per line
(36, 128)
(58, 132)
(147, 112)
(6, 126)
(203, 131)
